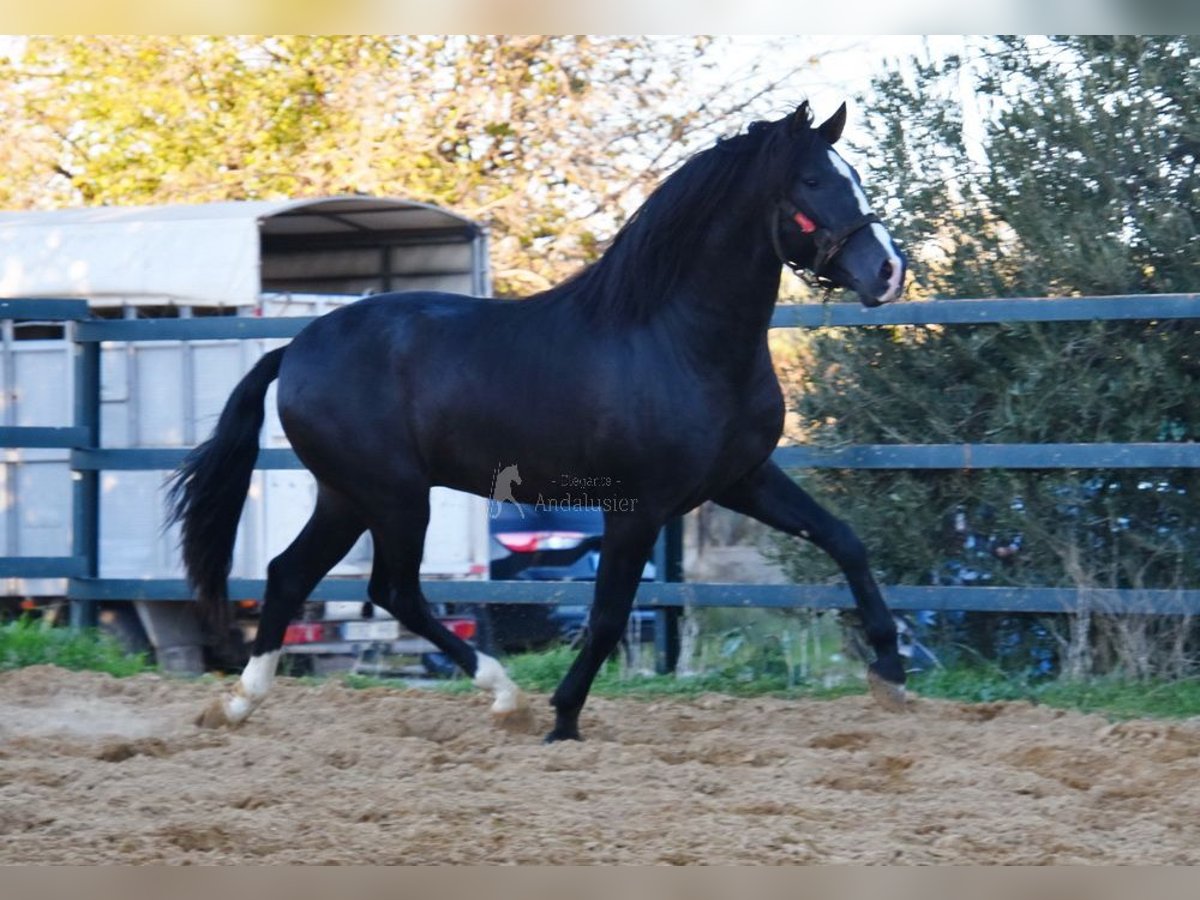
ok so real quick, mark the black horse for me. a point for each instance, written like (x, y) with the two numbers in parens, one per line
(642, 385)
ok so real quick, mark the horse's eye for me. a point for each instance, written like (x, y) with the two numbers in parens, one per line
(811, 183)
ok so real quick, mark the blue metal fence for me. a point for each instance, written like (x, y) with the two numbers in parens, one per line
(89, 457)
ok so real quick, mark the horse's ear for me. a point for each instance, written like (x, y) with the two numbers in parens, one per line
(831, 128)
(801, 119)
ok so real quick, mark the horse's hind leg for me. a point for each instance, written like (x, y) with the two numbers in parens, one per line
(291, 577)
(399, 543)
(770, 496)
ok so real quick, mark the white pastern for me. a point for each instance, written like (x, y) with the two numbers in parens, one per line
(490, 676)
(252, 688)
(881, 234)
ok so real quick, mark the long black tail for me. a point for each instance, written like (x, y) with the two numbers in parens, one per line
(208, 491)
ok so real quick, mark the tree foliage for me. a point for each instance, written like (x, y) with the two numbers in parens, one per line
(549, 140)
(1085, 182)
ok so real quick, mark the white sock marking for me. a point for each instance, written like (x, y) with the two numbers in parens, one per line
(881, 235)
(490, 676)
(252, 688)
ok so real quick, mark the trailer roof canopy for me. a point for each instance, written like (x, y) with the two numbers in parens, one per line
(227, 254)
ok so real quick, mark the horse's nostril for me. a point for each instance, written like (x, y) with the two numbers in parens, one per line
(885, 271)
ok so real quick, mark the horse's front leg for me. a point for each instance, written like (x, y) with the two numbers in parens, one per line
(769, 495)
(624, 550)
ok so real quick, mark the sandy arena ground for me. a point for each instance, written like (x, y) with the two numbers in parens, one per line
(97, 769)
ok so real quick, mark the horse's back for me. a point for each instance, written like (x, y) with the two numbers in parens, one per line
(387, 380)
(355, 334)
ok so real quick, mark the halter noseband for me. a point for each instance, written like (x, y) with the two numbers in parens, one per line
(829, 241)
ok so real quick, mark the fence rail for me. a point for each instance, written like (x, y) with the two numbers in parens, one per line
(88, 457)
(859, 456)
(1129, 307)
(993, 456)
(662, 594)
(35, 436)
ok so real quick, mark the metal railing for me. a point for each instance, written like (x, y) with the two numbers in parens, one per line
(88, 457)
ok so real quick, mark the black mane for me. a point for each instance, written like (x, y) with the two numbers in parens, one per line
(646, 258)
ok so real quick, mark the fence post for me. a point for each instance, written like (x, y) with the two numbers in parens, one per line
(668, 564)
(85, 531)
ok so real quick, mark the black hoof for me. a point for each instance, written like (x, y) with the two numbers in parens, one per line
(890, 695)
(562, 734)
(890, 669)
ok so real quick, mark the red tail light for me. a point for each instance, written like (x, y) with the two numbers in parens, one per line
(531, 541)
(304, 633)
(463, 628)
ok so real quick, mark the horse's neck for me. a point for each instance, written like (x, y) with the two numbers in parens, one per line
(724, 306)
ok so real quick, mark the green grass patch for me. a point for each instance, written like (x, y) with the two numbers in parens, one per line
(32, 642)
(1123, 699)
(1116, 698)
(542, 672)
(459, 684)
(974, 685)
(28, 642)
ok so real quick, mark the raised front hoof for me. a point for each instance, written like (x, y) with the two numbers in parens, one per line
(518, 718)
(888, 694)
(214, 716)
(562, 734)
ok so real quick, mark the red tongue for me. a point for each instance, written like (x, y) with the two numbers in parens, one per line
(807, 225)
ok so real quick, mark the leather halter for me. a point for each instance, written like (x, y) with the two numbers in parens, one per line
(829, 241)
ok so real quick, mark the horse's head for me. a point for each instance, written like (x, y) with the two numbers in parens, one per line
(821, 221)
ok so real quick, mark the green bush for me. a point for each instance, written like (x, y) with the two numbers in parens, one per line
(1079, 180)
(31, 642)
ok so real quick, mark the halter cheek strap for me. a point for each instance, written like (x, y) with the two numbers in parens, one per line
(829, 241)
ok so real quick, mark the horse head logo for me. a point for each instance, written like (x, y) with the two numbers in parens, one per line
(502, 489)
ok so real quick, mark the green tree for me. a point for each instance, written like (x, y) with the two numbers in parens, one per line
(549, 140)
(1086, 183)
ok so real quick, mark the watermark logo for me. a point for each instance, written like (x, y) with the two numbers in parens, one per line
(601, 493)
(503, 480)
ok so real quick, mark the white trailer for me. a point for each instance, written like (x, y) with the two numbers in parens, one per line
(267, 258)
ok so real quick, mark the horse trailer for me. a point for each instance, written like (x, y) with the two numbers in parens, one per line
(253, 258)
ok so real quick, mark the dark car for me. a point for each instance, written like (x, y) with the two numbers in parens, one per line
(535, 544)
